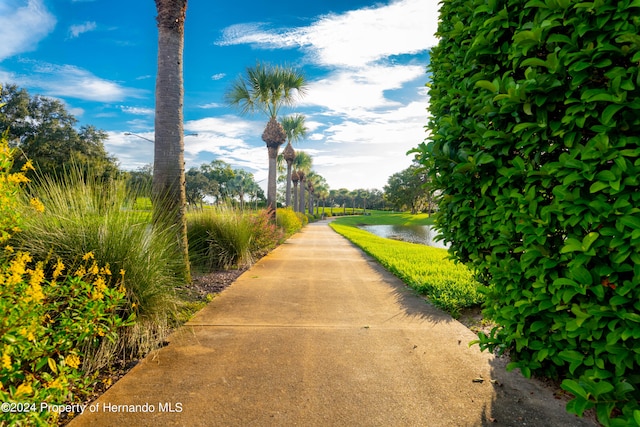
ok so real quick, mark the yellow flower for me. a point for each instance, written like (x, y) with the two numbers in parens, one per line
(58, 270)
(59, 383)
(72, 360)
(37, 205)
(105, 270)
(27, 166)
(81, 272)
(34, 292)
(37, 275)
(8, 248)
(122, 272)
(6, 361)
(87, 256)
(24, 388)
(94, 269)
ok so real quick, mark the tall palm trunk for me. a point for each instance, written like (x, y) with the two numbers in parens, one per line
(289, 155)
(301, 198)
(168, 194)
(294, 178)
(274, 136)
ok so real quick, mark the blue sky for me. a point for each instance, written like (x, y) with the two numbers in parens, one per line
(364, 60)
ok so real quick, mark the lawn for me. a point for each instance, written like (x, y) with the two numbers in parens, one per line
(428, 270)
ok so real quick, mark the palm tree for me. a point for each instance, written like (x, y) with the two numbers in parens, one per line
(295, 178)
(323, 192)
(364, 195)
(267, 88)
(302, 165)
(344, 193)
(295, 129)
(168, 192)
(333, 194)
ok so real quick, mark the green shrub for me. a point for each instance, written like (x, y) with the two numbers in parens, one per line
(535, 147)
(51, 329)
(288, 221)
(266, 235)
(9, 189)
(84, 216)
(304, 219)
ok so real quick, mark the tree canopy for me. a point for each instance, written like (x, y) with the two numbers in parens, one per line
(46, 133)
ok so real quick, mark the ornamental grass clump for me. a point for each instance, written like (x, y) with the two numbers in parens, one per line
(55, 316)
(220, 238)
(88, 216)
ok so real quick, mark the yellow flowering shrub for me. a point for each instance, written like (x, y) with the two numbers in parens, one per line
(50, 317)
(46, 326)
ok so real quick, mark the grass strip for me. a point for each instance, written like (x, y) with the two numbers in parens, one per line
(426, 269)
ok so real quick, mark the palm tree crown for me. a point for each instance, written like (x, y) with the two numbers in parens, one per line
(295, 129)
(266, 88)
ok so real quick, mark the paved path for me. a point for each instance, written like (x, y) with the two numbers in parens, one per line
(317, 334)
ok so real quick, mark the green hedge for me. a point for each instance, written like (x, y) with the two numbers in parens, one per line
(535, 146)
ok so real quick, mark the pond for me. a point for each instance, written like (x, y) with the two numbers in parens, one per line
(423, 234)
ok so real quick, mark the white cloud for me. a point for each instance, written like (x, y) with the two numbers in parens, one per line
(23, 26)
(210, 105)
(218, 76)
(76, 30)
(352, 39)
(132, 152)
(74, 82)
(355, 92)
(140, 111)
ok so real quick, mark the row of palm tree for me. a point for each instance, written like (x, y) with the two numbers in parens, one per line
(266, 89)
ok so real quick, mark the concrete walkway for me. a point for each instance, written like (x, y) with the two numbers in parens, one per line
(317, 334)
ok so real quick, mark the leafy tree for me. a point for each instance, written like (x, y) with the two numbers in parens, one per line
(407, 190)
(219, 173)
(140, 180)
(266, 89)
(198, 186)
(45, 133)
(535, 146)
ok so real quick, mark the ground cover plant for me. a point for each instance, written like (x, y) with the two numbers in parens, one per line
(447, 285)
(534, 148)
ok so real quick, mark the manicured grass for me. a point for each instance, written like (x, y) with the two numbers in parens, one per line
(428, 270)
(386, 218)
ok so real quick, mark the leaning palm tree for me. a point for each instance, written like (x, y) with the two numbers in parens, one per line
(266, 89)
(296, 130)
(168, 193)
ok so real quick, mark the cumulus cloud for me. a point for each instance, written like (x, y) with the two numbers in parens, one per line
(351, 39)
(218, 76)
(23, 26)
(356, 92)
(76, 30)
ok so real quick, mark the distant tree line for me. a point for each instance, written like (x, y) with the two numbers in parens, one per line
(44, 132)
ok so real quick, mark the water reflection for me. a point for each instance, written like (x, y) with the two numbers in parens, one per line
(423, 234)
